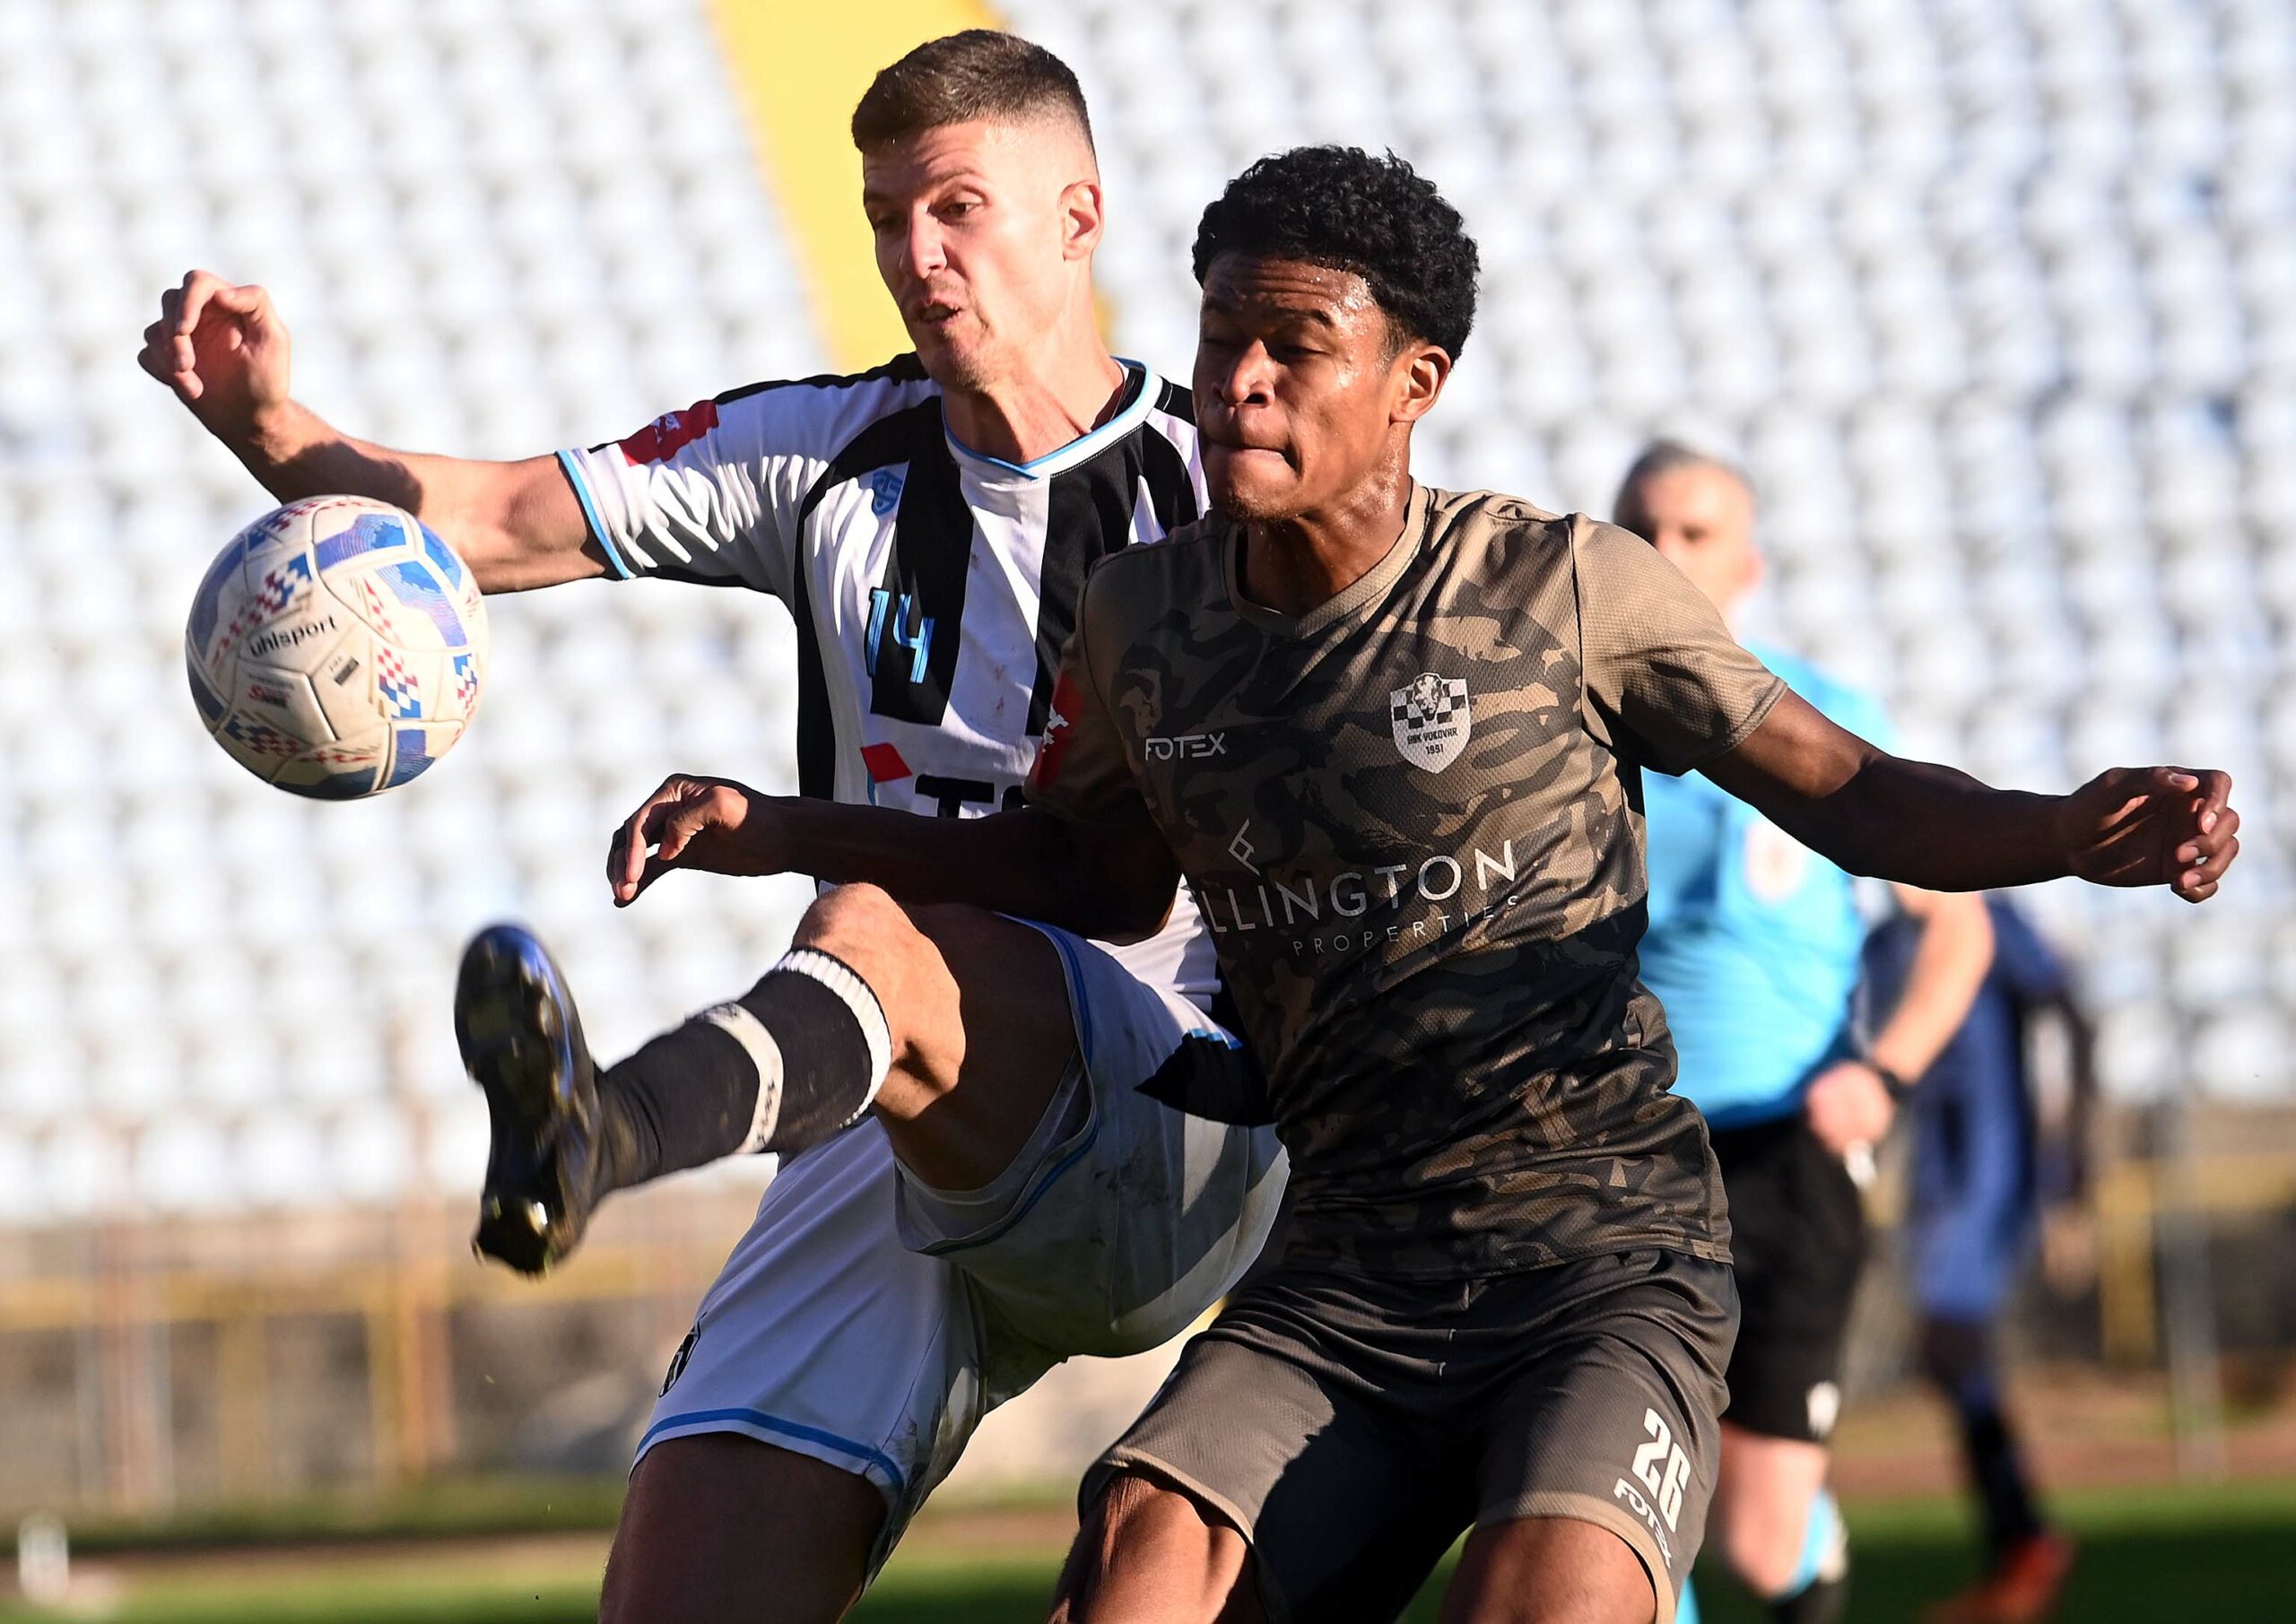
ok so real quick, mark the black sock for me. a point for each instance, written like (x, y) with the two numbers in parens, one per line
(1820, 1601)
(1998, 1473)
(789, 1062)
(1958, 1355)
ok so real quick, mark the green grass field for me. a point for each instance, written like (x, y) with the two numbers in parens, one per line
(2224, 1555)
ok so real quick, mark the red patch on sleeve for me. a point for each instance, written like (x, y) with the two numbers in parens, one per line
(667, 435)
(1068, 705)
(883, 762)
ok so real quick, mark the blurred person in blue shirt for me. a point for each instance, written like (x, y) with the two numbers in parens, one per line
(1988, 1157)
(1753, 949)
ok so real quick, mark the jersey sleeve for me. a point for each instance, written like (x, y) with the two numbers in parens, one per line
(1082, 772)
(1665, 679)
(716, 492)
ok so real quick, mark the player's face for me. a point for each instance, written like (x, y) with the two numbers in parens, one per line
(981, 231)
(1300, 387)
(1702, 520)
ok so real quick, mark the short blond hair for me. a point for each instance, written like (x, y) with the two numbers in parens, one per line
(979, 73)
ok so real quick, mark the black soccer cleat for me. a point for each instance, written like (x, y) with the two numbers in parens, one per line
(522, 1043)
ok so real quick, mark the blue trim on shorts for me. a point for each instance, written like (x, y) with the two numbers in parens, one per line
(774, 1423)
(1050, 1178)
(573, 471)
(1065, 945)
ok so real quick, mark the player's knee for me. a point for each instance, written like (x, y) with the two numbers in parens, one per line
(860, 916)
(1793, 1556)
(864, 928)
(1760, 1539)
(1548, 1570)
(1146, 1551)
(863, 912)
(1763, 1564)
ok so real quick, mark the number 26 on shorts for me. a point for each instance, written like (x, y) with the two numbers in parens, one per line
(1662, 1467)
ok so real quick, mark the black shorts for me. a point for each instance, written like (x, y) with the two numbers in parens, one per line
(1798, 1234)
(1349, 1428)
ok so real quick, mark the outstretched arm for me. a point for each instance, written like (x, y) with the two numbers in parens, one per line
(1114, 884)
(1940, 829)
(224, 350)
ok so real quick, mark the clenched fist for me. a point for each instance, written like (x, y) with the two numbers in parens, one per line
(2169, 826)
(223, 350)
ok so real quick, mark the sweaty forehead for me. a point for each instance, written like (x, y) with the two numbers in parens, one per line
(1016, 152)
(1268, 289)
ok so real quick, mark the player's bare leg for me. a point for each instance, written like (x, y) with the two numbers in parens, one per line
(716, 1523)
(977, 1007)
(1764, 1498)
(1149, 1554)
(1549, 1570)
(952, 1024)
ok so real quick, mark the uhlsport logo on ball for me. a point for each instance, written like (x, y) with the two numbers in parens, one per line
(336, 647)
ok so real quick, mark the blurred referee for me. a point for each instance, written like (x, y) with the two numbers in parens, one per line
(1753, 949)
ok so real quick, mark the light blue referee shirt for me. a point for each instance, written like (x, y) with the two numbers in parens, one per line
(1755, 939)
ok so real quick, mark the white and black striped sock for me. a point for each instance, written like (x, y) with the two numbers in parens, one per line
(792, 1060)
(821, 1044)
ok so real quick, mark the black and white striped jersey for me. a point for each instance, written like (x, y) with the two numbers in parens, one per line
(932, 585)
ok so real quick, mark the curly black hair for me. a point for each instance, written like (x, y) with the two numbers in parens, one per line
(1341, 207)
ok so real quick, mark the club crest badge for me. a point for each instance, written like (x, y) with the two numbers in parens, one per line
(1430, 718)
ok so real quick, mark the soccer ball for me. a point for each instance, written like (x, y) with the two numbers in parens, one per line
(336, 647)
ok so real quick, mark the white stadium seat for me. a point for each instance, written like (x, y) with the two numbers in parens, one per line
(475, 276)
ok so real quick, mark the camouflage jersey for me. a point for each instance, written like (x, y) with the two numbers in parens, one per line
(1411, 818)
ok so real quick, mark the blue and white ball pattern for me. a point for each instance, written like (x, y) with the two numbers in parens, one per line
(336, 647)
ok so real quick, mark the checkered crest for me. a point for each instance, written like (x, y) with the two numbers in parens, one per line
(1430, 720)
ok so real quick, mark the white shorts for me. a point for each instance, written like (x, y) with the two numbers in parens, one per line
(870, 1321)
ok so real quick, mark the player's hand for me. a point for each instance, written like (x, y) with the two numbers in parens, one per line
(1848, 1105)
(223, 350)
(689, 822)
(2169, 826)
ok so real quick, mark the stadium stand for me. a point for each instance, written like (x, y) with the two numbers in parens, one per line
(1998, 301)
(493, 228)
